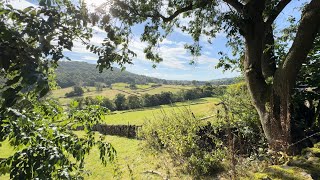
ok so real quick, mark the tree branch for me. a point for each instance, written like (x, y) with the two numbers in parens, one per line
(276, 11)
(235, 4)
(176, 13)
(268, 62)
(307, 31)
(157, 14)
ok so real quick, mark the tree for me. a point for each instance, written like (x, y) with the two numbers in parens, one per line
(165, 98)
(77, 91)
(270, 75)
(134, 102)
(99, 86)
(32, 41)
(120, 102)
(107, 103)
(133, 86)
(194, 82)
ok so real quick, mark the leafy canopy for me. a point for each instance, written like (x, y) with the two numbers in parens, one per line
(32, 41)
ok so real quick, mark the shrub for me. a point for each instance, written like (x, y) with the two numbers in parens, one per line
(134, 102)
(77, 91)
(133, 86)
(156, 85)
(177, 133)
(109, 104)
(243, 119)
(120, 102)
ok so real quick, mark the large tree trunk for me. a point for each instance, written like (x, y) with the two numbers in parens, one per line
(272, 100)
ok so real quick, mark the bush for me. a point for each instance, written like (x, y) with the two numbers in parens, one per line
(109, 104)
(179, 134)
(134, 102)
(198, 147)
(77, 91)
(243, 119)
(156, 85)
(120, 102)
(133, 86)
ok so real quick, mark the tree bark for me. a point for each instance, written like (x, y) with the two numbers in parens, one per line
(272, 101)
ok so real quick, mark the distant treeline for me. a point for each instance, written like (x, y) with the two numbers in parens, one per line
(121, 102)
(84, 74)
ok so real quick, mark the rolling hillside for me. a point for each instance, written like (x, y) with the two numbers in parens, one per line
(75, 73)
(70, 73)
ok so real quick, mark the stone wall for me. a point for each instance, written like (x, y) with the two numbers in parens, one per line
(129, 131)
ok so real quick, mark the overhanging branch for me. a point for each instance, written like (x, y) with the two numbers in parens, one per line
(235, 4)
(276, 11)
(301, 46)
(176, 13)
(157, 14)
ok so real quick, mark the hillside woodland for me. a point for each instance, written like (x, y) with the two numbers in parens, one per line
(84, 74)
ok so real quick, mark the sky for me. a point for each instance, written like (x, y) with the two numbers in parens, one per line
(176, 59)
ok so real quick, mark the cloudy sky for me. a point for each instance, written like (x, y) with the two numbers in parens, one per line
(176, 59)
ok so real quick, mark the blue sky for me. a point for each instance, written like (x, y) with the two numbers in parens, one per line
(175, 65)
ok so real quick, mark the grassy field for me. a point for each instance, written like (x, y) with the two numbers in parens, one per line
(132, 160)
(200, 107)
(116, 89)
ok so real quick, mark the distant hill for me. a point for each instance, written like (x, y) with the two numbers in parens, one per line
(74, 73)
(223, 81)
(70, 73)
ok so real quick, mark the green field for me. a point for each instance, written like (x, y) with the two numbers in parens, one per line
(201, 107)
(117, 88)
(132, 159)
(133, 162)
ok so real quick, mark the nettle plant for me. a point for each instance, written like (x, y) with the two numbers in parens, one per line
(32, 41)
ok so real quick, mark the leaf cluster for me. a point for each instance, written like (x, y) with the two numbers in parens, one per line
(45, 145)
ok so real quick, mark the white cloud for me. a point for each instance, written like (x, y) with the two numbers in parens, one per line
(90, 58)
(21, 4)
(207, 60)
(169, 76)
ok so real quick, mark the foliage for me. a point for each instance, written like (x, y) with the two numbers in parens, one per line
(27, 48)
(235, 132)
(134, 102)
(99, 86)
(46, 147)
(177, 133)
(72, 73)
(306, 104)
(133, 86)
(77, 91)
(120, 102)
(32, 41)
(265, 66)
(238, 114)
(109, 104)
(88, 101)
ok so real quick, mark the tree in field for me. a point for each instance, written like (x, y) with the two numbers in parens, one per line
(134, 102)
(99, 86)
(270, 73)
(120, 102)
(77, 91)
(133, 86)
